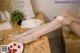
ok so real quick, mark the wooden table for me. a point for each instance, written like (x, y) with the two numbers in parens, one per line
(39, 46)
(72, 41)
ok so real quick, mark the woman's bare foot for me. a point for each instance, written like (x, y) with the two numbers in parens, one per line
(18, 36)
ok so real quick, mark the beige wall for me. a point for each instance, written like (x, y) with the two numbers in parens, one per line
(51, 9)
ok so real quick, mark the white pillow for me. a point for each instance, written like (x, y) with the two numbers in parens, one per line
(31, 23)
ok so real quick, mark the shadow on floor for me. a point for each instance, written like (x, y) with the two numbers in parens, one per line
(56, 40)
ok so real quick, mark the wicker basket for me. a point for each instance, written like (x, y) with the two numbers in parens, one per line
(5, 5)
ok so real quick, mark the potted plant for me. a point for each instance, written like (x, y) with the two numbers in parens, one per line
(17, 17)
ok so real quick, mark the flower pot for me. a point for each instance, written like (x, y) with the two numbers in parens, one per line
(19, 22)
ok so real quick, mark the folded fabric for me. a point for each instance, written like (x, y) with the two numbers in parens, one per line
(4, 26)
(31, 23)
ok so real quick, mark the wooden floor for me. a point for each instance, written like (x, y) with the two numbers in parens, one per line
(72, 42)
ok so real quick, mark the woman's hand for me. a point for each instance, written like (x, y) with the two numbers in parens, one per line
(67, 21)
(68, 18)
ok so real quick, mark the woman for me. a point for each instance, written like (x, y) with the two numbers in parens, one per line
(72, 22)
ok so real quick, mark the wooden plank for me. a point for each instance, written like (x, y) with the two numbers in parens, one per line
(39, 46)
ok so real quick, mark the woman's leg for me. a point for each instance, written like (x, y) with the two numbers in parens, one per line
(75, 27)
(18, 36)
